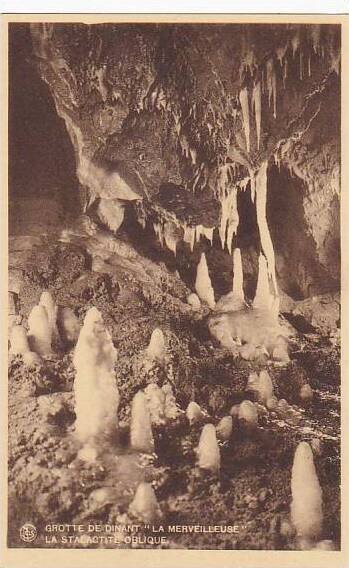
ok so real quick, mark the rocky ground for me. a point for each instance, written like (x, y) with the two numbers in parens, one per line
(48, 482)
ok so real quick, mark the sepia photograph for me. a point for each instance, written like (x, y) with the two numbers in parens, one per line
(174, 285)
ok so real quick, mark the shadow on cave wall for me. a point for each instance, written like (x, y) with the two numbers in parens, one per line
(43, 187)
(299, 271)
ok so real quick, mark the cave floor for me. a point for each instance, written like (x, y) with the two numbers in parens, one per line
(48, 483)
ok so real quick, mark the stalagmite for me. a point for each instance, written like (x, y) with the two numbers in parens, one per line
(263, 298)
(141, 435)
(203, 284)
(18, 340)
(257, 105)
(224, 428)
(194, 301)
(306, 506)
(69, 325)
(248, 412)
(209, 457)
(234, 300)
(194, 412)
(40, 333)
(238, 278)
(265, 387)
(306, 393)
(171, 409)
(144, 505)
(156, 350)
(272, 403)
(245, 115)
(96, 393)
(31, 359)
(50, 305)
(266, 242)
(156, 403)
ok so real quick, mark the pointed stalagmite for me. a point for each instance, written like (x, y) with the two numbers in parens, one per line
(248, 412)
(156, 403)
(96, 393)
(263, 299)
(156, 350)
(238, 279)
(203, 284)
(224, 428)
(144, 505)
(265, 387)
(50, 305)
(194, 412)
(209, 457)
(194, 301)
(18, 340)
(172, 410)
(141, 435)
(40, 331)
(31, 359)
(306, 506)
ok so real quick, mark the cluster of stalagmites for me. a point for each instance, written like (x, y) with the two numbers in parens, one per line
(43, 337)
(97, 401)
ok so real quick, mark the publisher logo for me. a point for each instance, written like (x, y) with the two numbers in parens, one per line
(28, 532)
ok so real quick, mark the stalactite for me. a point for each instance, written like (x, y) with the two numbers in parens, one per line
(271, 84)
(158, 230)
(203, 284)
(245, 115)
(96, 393)
(265, 238)
(300, 64)
(170, 237)
(189, 236)
(257, 106)
(229, 218)
(315, 33)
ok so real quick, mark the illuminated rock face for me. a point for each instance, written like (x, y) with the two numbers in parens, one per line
(306, 505)
(96, 393)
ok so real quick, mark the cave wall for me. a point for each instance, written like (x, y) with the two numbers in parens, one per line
(43, 187)
(200, 108)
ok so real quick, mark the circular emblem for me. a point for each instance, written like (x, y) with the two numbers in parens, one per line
(28, 532)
